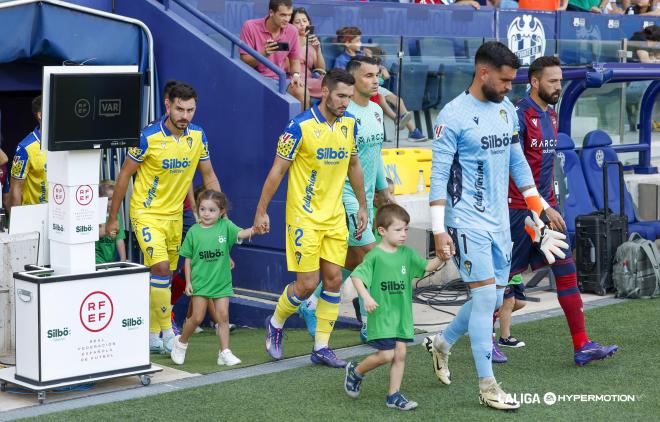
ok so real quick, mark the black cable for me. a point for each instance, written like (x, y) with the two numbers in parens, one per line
(452, 293)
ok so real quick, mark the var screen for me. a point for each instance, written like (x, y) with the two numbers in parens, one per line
(89, 111)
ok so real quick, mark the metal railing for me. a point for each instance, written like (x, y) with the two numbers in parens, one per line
(235, 41)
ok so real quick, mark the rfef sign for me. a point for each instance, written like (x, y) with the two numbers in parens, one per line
(96, 311)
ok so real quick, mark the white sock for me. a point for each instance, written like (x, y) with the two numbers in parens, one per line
(486, 382)
(153, 337)
(168, 333)
(441, 344)
(311, 302)
(319, 346)
(275, 323)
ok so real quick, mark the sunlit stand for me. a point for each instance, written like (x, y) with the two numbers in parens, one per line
(78, 322)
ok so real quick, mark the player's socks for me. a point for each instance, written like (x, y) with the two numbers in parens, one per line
(287, 305)
(327, 312)
(312, 301)
(570, 300)
(168, 333)
(160, 297)
(459, 325)
(480, 328)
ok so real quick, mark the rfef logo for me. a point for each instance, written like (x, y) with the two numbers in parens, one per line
(96, 311)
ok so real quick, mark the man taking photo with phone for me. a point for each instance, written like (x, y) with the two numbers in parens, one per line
(277, 40)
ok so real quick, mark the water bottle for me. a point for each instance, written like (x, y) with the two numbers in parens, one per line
(421, 184)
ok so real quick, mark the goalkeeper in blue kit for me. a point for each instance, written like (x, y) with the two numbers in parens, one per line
(475, 149)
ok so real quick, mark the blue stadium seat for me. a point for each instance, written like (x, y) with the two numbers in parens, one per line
(413, 83)
(596, 150)
(577, 200)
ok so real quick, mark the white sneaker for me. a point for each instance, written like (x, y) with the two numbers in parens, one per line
(493, 396)
(178, 353)
(440, 361)
(198, 330)
(226, 357)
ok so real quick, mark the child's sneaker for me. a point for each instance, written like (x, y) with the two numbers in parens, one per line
(397, 401)
(198, 330)
(226, 357)
(511, 342)
(498, 356)
(363, 332)
(352, 381)
(178, 353)
(493, 396)
(417, 136)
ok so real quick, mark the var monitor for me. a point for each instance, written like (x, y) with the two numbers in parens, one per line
(94, 110)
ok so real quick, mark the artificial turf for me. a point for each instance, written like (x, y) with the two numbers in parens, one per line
(544, 365)
(248, 345)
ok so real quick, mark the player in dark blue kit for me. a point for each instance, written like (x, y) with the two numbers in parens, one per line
(538, 139)
(475, 149)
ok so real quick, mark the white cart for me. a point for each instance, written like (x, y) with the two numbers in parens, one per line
(80, 328)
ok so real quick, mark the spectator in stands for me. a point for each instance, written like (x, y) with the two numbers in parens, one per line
(388, 100)
(531, 4)
(351, 38)
(107, 248)
(641, 7)
(28, 170)
(314, 63)
(277, 40)
(593, 6)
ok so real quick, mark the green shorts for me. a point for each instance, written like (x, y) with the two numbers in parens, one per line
(367, 237)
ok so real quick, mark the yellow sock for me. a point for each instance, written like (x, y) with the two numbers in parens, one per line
(327, 312)
(159, 304)
(287, 305)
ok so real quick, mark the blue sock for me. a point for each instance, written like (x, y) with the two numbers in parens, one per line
(459, 325)
(480, 328)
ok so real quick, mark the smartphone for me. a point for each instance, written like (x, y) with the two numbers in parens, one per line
(282, 46)
(310, 29)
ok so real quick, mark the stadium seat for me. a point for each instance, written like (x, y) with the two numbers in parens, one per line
(596, 150)
(413, 83)
(577, 200)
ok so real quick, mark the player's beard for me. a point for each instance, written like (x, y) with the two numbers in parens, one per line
(492, 95)
(179, 124)
(550, 98)
(335, 111)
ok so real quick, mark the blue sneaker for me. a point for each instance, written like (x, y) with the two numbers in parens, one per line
(273, 340)
(363, 333)
(352, 381)
(397, 401)
(326, 356)
(309, 316)
(594, 351)
(417, 136)
(498, 356)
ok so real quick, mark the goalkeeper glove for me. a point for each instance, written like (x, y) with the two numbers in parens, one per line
(551, 242)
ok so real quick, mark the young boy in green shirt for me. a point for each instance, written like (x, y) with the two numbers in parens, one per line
(107, 248)
(384, 281)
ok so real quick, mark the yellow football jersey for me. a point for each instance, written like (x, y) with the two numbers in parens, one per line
(30, 165)
(320, 154)
(167, 167)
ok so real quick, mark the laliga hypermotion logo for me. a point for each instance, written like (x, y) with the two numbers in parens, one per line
(526, 38)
